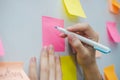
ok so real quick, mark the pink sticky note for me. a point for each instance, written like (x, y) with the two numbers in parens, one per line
(1, 49)
(50, 35)
(112, 31)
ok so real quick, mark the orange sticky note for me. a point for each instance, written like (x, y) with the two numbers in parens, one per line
(109, 73)
(12, 71)
(68, 66)
(113, 8)
(116, 3)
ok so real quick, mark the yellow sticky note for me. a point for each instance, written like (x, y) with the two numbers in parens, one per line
(109, 73)
(68, 68)
(12, 71)
(74, 8)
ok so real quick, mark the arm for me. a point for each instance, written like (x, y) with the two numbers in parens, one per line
(92, 72)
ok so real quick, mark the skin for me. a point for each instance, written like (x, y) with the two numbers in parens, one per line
(50, 64)
(50, 68)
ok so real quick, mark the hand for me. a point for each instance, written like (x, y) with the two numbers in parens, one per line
(85, 53)
(50, 68)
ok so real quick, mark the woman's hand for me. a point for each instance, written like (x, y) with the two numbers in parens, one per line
(50, 68)
(85, 53)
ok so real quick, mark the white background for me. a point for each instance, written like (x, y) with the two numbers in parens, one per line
(20, 28)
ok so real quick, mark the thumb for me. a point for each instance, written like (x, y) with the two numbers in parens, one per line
(75, 43)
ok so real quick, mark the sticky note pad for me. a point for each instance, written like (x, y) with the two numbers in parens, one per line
(74, 8)
(1, 48)
(68, 68)
(109, 73)
(112, 31)
(50, 35)
(12, 71)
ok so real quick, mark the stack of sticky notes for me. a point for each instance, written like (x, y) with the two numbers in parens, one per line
(109, 73)
(114, 6)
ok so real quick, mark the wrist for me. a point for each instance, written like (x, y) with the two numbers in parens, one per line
(92, 72)
(91, 65)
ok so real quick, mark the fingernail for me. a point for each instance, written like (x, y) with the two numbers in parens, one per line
(45, 48)
(33, 59)
(57, 57)
(51, 47)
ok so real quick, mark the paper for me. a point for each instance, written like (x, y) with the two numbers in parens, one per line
(112, 31)
(109, 73)
(116, 3)
(68, 68)
(74, 8)
(1, 49)
(113, 8)
(12, 71)
(50, 35)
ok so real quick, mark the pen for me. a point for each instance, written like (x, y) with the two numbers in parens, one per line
(95, 45)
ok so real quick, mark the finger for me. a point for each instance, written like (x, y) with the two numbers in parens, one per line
(51, 63)
(33, 69)
(44, 70)
(85, 28)
(58, 69)
(75, 43)
(63, 35)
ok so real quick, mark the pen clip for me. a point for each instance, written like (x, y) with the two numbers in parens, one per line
(102, 50)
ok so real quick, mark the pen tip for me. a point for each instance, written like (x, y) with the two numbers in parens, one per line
(55, 27)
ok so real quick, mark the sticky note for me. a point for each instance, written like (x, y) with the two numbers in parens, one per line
(50, 35)
(12, 71)
(109, 73)
(68, 68)
(112, 31)
(116, 3)
(74, 8)
(1, 48)
(113, 8)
